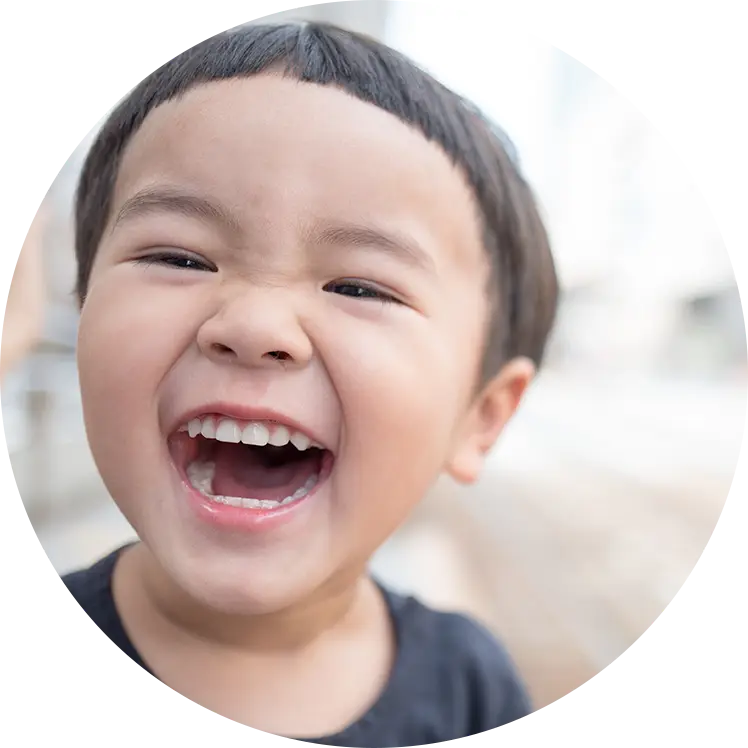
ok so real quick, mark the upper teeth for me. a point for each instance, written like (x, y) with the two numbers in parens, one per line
(254, 432)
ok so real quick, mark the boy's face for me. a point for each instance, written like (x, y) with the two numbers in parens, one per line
(279, 252)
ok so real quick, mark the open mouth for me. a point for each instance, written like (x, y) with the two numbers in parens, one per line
(252, 465)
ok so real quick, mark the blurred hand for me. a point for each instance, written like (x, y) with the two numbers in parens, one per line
(25, 310)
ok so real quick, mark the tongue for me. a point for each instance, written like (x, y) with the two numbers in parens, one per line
(269, 473)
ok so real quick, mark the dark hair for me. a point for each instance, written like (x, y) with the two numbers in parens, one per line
(524, 285)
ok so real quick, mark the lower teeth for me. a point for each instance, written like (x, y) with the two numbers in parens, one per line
(201, 474)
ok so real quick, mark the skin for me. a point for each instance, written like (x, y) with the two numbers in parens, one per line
(387, 385)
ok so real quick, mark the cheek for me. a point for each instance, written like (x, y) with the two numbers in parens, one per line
(402, 382)
(127, 343)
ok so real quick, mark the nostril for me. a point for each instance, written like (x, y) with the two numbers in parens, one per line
(223, 350)
(278, 355)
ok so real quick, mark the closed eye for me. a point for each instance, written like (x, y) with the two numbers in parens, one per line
(352, 288)
(177, 260)
(359, 290)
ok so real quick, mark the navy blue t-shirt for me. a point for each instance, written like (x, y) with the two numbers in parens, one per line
(450, 678)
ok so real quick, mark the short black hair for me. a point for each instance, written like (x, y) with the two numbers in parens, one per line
(524, 285)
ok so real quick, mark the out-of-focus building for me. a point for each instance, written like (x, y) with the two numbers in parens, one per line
(648, 286)
(366, 16)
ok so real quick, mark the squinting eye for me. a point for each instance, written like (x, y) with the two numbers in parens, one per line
(358, 290)
(175, 260)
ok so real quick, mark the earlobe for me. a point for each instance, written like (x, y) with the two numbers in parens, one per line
(488, 415)
(466, 465)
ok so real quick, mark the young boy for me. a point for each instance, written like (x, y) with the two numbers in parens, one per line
(311, 279)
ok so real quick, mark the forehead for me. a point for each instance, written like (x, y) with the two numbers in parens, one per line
(279, 153)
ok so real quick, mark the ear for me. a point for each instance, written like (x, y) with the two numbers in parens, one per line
(486, 419)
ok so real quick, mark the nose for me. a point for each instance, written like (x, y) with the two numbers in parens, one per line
(257, 328)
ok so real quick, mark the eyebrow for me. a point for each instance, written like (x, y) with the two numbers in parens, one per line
(169, 200)
(368, 237)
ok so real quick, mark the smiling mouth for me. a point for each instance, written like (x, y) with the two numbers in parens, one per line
(251, 465)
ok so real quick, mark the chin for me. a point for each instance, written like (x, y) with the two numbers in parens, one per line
(245, 597)
(239, 581)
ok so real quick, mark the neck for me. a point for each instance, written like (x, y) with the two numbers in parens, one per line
(339, 603)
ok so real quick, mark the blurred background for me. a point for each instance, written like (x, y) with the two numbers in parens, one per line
(605, 489)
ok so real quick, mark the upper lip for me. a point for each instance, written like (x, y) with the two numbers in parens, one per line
(246, 413)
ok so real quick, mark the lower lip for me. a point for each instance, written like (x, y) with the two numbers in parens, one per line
(246, 519)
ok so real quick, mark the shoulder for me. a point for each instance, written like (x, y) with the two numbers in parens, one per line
(472, 673)
(92, 590)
